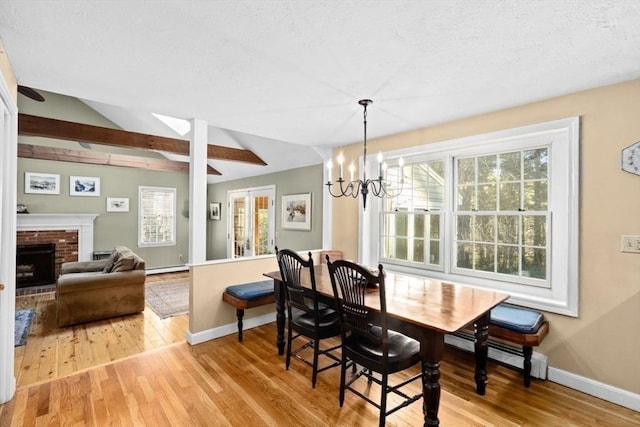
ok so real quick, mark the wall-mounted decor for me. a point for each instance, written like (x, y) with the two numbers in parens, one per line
(84, 186)
(117, 204)
(631, 158)
(41, 183)
(214, 210)
(296, 211)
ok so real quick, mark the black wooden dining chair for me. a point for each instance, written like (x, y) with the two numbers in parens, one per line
(307, 317)
(366, 339)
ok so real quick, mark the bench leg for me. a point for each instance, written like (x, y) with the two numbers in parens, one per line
(240, 314)
(527, 351)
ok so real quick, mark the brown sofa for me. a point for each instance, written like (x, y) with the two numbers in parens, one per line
(95, 290)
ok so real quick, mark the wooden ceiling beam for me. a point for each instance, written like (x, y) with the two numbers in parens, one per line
(29, 125)
(101, 158)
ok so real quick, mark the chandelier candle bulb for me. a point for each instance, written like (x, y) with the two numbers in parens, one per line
(352, 169)
(380, 164)
(340, 161)
(329, 167)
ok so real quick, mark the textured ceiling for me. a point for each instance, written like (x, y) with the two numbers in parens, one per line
(265, 73)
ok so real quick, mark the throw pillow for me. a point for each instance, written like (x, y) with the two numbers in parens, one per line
(125, 263)
(111, 261)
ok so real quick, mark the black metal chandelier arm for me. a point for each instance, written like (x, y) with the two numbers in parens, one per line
(378, 187)
(352, 189)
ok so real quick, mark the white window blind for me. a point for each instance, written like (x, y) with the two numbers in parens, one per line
(156, 216)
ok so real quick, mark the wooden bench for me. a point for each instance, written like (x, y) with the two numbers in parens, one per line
(514, 326)
(248, 295)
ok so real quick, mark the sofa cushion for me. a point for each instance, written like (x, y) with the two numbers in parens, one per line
(125, 263)
(111, 261)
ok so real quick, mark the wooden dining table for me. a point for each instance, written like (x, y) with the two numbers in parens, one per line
(424, 309)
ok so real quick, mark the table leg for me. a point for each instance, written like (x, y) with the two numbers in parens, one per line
(481, 352)
(432, 349)
(278, 294)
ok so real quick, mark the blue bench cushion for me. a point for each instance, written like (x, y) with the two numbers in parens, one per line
(516, 319)
(251, 291)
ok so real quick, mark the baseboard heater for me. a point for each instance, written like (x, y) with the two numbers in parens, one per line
(502, 353)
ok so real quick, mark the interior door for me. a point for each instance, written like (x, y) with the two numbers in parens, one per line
(251, 222)
(8, 188)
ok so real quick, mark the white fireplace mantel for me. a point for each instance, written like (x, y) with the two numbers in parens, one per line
(81, 222)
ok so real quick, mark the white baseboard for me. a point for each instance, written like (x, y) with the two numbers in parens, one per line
(594, 388)
(231, 328)
(167, 269)
(539, 362)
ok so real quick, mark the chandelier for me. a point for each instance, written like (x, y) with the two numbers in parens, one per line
(379, 186)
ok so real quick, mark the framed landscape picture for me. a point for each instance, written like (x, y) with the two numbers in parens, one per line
(296, 212)
(41, 183)
(117, 204)
(84, 186)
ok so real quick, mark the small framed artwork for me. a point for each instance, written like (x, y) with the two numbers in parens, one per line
(84, 186)
(117, 204)
(214, 211)
(296, 212)
(41, 183)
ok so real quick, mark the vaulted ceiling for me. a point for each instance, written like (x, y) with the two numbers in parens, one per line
(282, 78)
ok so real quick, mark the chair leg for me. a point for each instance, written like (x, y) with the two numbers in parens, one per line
(383, 399)
(289, 339)
(527, 351)
(314, 373)
(343, 374)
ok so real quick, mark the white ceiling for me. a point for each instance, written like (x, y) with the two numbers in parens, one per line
(282, 78)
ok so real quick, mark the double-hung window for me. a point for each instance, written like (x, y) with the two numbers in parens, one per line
(501, 216)
(412, 221)
(497, 211)
(156, 216)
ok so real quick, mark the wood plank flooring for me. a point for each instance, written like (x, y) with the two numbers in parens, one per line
(52, 352)
(149, 381)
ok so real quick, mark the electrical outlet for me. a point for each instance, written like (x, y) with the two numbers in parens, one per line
(180, 257)
(630, 243)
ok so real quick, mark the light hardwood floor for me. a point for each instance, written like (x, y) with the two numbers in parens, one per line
(156, 379)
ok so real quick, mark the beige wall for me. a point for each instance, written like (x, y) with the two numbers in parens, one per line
(601, 343)
(208, 282)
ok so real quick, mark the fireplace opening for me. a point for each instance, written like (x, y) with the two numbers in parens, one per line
(35, 265)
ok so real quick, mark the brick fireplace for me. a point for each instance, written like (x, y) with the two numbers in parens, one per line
(72, 235)
(65, 241)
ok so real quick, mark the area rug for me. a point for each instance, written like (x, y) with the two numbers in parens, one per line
(23, 322)
(168, 297)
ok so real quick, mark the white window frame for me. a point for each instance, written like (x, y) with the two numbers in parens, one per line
(562, 137)
(141, 191)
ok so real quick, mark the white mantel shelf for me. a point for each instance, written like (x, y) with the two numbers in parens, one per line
(83, 223)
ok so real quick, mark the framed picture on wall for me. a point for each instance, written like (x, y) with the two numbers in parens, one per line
(117, 204)
(296, 212)
(41, 183)
(214, 211)
(84, 186)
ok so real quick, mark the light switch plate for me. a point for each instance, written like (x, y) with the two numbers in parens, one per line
(629, 243)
